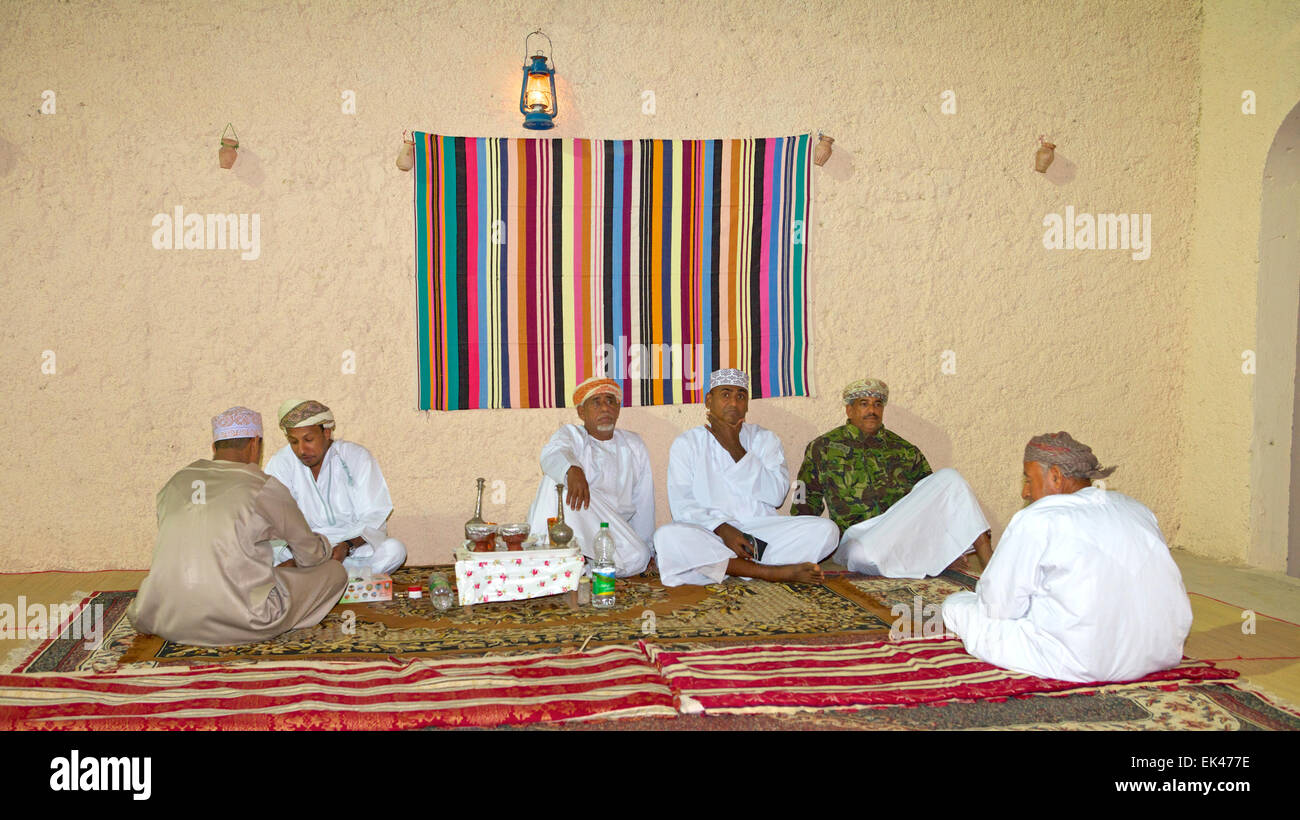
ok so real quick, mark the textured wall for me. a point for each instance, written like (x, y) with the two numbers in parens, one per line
(1244, 47)
(929, 233)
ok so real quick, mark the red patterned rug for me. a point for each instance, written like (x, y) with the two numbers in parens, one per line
(786, 678)
(615, 681)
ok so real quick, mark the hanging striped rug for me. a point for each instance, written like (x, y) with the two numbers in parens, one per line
(542, 262)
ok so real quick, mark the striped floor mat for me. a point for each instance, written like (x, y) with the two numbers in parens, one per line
(615, 681)
(786, 678)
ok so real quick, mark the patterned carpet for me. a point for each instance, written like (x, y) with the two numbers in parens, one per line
(615, 687)
(847, 608)
(612, 682)
(784, 679)
(1191, 707)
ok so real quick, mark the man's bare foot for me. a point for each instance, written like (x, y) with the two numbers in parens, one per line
(799, 574)
(783, 573)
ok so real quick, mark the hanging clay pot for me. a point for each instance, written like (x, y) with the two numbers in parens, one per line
(227, 153)
(406, 157)
(1043, 156)
(823, 150)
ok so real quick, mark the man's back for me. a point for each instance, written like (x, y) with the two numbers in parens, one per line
(205, 508)
(211, 581)
(1091, 572)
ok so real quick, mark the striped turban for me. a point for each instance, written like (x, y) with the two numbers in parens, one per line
(862, 388)
(237, 422)
(1074, 458)
(729, 376)
(300, 413)
(594, 387)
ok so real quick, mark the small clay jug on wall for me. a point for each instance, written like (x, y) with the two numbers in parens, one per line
(1043, 156)
(822, 152)
(406, 157)
(227, 153)
(229, 145)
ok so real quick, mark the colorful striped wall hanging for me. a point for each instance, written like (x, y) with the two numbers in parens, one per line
(542, 262)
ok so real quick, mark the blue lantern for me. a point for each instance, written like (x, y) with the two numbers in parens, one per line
(537, 95)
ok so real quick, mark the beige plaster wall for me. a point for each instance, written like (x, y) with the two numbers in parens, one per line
(1245, 46)
(928, 239)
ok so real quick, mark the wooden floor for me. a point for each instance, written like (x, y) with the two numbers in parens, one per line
(1222, 597)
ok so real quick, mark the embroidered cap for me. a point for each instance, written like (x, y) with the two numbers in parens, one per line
(729, 376)
(237, 422)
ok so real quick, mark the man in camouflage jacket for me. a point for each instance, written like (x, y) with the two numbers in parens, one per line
(896, 518)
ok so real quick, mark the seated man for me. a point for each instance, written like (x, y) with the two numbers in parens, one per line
(897, 519)
(607, 473)
(725, 482)
(211, 582)
(1082, 586)
(338, 486)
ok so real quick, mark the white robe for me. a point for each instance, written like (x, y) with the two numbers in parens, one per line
(707, 488)
(1081, 588)
(622, 493)
(348, 496)
(921, 534)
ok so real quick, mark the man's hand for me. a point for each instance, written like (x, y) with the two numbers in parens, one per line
(735, 541)
(728, 435)
(579, 492)
(341, 551)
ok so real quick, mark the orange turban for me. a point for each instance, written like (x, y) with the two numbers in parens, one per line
(594, 387)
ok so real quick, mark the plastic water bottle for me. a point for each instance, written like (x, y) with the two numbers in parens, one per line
(440, 591)
(602, 572)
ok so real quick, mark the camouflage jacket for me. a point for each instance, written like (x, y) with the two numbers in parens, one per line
(856, 478)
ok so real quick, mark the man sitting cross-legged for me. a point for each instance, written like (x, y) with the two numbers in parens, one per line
(607, 474)
(1081, 586)
(725, 482)
(338, 487)
(898, 520)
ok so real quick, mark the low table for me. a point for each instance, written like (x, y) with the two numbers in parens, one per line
(484, 577)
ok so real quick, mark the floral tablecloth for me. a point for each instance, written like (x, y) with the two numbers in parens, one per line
(483, 577)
